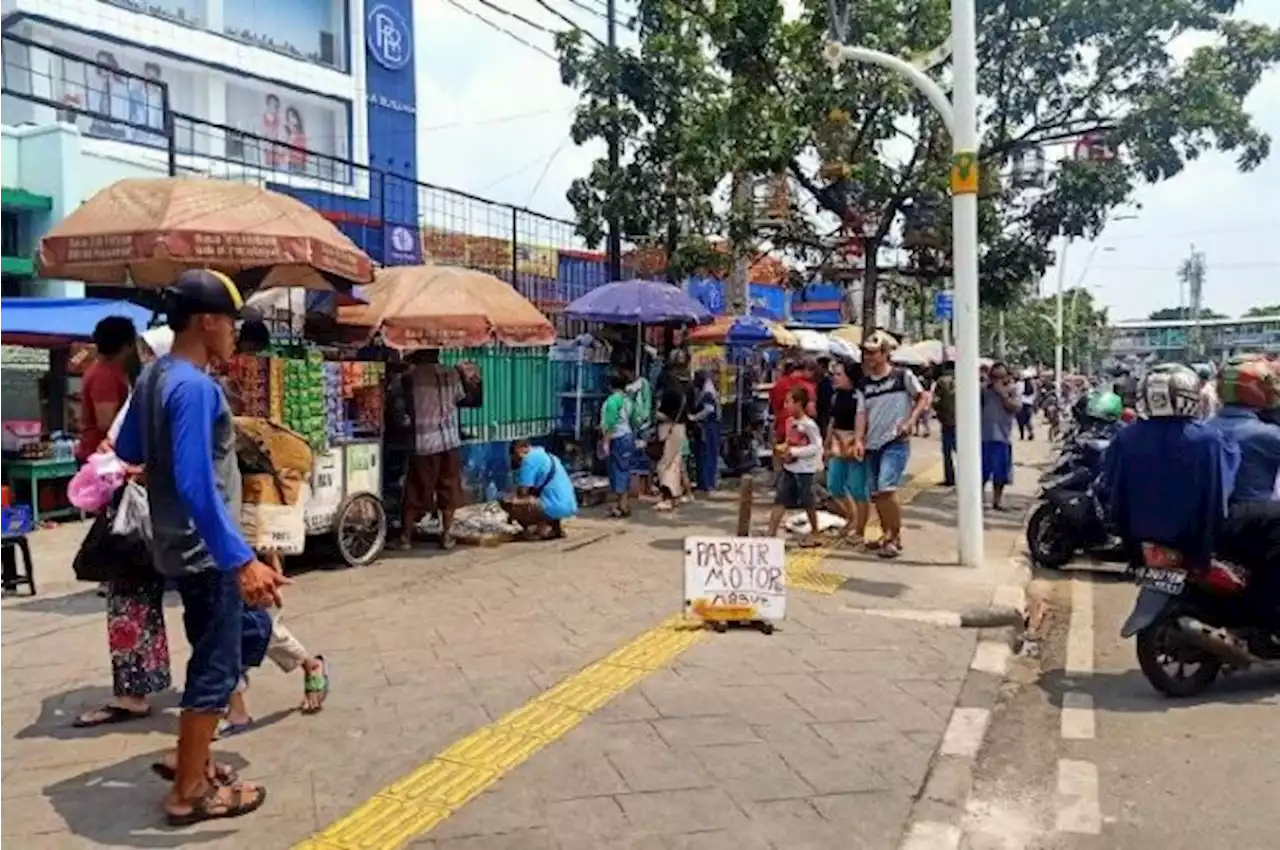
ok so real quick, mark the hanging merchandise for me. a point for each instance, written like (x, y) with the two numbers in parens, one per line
(247, 379)
(304, 406)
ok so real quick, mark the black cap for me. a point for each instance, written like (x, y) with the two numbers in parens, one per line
(204, 291)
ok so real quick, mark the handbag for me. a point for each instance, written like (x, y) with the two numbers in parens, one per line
(107, 556)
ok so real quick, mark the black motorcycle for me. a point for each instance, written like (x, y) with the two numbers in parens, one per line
(1071, 517)
(1193, 623)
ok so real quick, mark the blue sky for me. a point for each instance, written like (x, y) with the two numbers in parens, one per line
(494, 121)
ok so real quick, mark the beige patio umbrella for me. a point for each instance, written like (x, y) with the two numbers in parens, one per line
(851, 334)
(144, 232)
(446, 307)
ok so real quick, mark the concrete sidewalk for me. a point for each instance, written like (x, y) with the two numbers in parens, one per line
(818, 736)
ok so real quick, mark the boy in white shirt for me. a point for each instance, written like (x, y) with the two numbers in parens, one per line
(801, 457)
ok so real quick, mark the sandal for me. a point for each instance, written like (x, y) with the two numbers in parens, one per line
(227, 729)
(219, 802)
(315, 688)
(891, 549)
(223, 774)
(108, 715)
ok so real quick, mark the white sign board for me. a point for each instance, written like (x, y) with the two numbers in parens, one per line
(735, 578)
(326, 491)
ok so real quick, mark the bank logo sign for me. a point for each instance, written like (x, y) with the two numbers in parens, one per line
(388, 36)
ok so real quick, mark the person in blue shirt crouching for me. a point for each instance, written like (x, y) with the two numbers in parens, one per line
(544, 496)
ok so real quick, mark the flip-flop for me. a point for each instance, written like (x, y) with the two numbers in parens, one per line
(317, 683)
(111, 714)
(227, 729)
(209, 806)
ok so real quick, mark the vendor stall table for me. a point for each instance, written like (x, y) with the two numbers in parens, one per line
(32, 472)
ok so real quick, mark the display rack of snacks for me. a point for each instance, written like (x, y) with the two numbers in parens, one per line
(335, 414)
(304, 404)
(247, 383)
(276, 389)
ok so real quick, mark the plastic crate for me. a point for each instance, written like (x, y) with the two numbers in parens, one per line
(16, 520)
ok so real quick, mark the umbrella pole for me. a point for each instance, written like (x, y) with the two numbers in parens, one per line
(639, 346)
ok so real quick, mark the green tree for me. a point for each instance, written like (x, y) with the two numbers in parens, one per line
(1031, 336)
(732, 86)
(1264, 310)
(1182, 314)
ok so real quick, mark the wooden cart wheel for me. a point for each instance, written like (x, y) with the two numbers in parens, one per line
(360, 529)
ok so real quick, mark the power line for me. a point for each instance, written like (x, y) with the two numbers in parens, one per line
(495, 26)
(515, 172)
(1212, 267)
(521, 18)
(499, 119)
(570, 21)
(546, 168)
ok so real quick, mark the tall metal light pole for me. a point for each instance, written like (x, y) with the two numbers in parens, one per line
(614, 260)
(961, 119)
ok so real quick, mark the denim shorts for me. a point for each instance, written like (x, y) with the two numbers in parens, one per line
(997, 462)
(847, 479)
(621, 450)
(226, 638)
(887, 466)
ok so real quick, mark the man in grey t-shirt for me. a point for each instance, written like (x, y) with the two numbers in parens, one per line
(1000, 404)
(891, 401)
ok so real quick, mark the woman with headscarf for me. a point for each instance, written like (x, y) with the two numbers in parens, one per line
(708, 435)
(672, 432)
(135, 606)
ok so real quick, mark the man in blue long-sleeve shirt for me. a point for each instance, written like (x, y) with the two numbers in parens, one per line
(1169, 476)
(179, 427)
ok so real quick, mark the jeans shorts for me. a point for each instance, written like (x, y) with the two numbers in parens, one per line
(795, 490)
(887, 465)
(847, 479)
(226, 638)
(621, 449)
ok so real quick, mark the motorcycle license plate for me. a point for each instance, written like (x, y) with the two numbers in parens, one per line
(1170, 580)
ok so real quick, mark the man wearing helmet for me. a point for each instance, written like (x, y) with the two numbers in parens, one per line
(1249, 389)
(1168, 476)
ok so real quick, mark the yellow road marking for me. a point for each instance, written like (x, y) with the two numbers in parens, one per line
(419, 802)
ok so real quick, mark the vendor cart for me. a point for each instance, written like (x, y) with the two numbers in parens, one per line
(346, 500)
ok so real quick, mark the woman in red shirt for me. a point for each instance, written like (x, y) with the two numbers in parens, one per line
(105, 386)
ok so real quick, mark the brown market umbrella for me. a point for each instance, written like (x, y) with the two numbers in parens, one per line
(446, 307)
(147, 231)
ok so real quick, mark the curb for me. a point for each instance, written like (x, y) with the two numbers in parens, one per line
(936, 818)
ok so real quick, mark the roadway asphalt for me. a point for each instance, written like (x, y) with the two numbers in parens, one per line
(1121, 767)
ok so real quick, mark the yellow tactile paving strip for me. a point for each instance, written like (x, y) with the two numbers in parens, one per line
(419, 802)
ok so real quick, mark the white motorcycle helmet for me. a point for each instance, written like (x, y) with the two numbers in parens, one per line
(1171, 390)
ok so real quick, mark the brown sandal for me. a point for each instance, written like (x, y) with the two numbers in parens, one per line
(219, 802)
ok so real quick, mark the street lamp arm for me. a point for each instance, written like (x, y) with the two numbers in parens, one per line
(839, 53)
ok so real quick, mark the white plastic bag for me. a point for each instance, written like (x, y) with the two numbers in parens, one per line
(133, 516)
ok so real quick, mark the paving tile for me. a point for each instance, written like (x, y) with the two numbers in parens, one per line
(678, 812)
(692, 731)
(587, 822)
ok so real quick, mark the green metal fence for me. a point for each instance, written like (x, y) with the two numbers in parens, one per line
(519, 399)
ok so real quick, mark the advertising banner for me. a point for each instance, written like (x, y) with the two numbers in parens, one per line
(307, 30)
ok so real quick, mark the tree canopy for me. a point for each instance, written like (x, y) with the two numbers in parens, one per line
(1030, 335)
(731, 86)
(1262, 310)
(1176, 314)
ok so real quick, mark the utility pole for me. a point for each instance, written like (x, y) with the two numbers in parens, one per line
(1192, 273)
(615, 226)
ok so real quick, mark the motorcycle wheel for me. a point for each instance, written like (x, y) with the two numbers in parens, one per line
(1048, 542)
(1172, 665)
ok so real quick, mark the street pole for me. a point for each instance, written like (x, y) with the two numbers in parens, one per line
(961, 120)
(1057, 325)
(615, 226)
(964, 250)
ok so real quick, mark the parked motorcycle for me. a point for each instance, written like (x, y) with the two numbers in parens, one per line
(1193, 623)
(1070, 517)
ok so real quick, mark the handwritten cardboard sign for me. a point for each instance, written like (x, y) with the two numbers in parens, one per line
(735, 578)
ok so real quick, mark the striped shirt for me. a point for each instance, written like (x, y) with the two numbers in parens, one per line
(436, 393)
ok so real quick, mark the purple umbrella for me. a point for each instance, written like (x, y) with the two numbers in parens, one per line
(638, 302)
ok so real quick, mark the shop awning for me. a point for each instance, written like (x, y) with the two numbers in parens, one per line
(46, 322)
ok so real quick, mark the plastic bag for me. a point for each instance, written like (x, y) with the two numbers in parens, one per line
(92, 487)
(133, 513)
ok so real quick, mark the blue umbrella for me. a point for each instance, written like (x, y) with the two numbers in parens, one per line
(638, 302)
(749, 330)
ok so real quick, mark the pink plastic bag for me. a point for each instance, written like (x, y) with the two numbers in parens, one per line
(92, 487)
